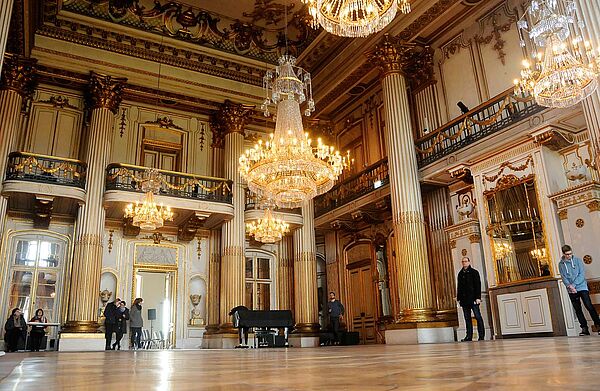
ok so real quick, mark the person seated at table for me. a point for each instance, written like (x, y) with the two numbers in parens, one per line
(242, 331)
(16, 329)
(37, 333)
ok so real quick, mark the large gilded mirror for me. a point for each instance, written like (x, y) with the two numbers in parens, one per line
(516, 231)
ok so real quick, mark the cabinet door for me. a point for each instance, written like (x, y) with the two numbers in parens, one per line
(536, 311)
(511, 313)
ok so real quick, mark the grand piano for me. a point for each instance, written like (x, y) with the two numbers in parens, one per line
(263, 322)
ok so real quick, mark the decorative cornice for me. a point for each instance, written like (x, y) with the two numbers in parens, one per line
(18, 74)
(105, 92)
(152, 51)
(584, 193)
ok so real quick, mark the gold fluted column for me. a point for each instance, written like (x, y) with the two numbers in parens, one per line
(590, 12)
(285, 273)
(305, 274)
(6, 7)
(214, 279)
(105, 93)
(412, 265)
(233, 116)
(18, 80)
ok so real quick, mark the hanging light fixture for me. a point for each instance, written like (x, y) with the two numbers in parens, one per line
(564, 68)
(354, 18)
(288, 168)
(148, 215)
(268, 229)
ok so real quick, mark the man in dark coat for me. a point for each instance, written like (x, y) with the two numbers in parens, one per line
(121, 327)
(468, 295)
(111, 313)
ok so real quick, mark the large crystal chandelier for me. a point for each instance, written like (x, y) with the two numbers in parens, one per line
(268, 229)
(148, 215)
(563, 69)
(354, 18)
(288, 168)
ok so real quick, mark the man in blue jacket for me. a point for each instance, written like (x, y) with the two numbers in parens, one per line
(573, 276)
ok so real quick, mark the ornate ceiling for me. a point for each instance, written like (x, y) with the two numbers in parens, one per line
(252, 28)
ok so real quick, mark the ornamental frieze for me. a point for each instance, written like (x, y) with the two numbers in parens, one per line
(256, 32)
(465, 229)
(587, 192)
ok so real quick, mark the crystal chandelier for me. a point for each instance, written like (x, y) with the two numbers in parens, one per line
(288, 168)
(268, 229)
(354, 18)
(564, 68)
(148, 215)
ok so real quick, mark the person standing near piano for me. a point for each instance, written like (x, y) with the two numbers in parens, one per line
(336, 313)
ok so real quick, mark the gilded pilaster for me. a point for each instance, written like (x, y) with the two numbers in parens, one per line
(105, 94)
(285, 270)
(412, 263)
(233, 117)
(17, 82)
(590, 12)
(305, 274)
(214, 279)
(6, 7)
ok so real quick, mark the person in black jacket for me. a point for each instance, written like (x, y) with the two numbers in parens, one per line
(122, 318)
(110, 321)
(468, 295)
(242, 330)
(16, 329)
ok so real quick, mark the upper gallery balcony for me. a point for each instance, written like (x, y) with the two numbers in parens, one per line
(353, 193)
(33, 182)
(497, 114)
(196, 197)
(254, 211)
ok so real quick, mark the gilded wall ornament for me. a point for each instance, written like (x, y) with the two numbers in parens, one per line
(105, 92)
(587, 259)
(60, 102)
(475, 238)
(563, 214)
(164, 122)
(18, 74)
(464, 252)
(110, 240)
(593, 206)
(579, 223)
(122, 123)
(496, 36)
(452, 244)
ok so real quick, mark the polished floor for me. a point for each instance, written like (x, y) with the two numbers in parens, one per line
(517, 364)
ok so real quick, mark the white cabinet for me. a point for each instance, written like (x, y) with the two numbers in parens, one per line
(525, 312)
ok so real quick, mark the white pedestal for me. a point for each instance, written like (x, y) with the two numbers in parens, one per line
(299, 341)
(419, 335)
(81, 342)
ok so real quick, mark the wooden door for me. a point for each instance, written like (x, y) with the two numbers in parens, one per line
(363, 304)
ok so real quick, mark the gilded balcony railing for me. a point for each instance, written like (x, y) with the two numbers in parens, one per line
(252, 203)
(128, 177)
(32, 167)
(490, 117)
(353, 187)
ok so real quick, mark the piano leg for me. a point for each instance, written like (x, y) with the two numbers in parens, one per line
(285, 334)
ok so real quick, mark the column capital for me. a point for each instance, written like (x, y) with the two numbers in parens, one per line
(393, 55)
(105, 91)
(18, 74)
(234, 116)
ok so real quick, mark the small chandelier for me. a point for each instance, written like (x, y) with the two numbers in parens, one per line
(288, 169)
(564, 68)
(354, 18)
(502, 249)
(268, 229)
(148, 215)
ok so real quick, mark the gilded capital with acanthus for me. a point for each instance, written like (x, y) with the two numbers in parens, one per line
(105, 92)
(18, 74)
(391, 54)
(234, 116)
